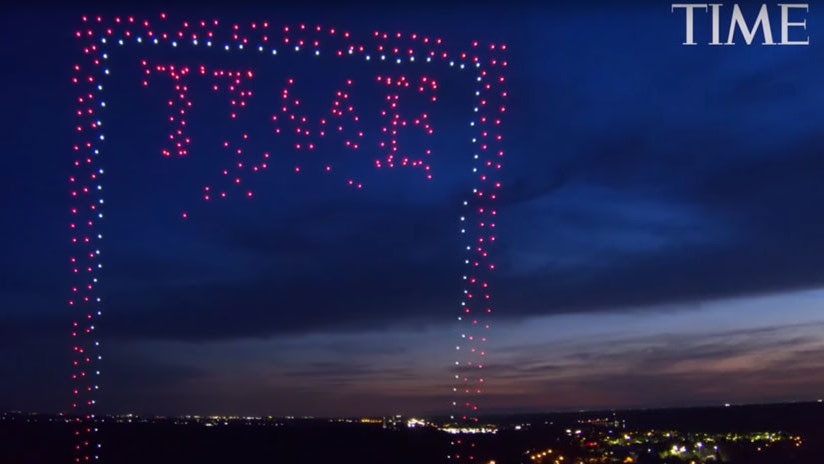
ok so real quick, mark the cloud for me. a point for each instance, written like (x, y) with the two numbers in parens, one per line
(669, 369)
(745, 226)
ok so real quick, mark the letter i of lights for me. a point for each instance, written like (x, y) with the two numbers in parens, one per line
(99, 37)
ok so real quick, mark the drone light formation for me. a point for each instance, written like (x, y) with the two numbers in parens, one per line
(482, 64)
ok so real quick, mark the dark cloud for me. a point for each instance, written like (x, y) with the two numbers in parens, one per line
(750, 227)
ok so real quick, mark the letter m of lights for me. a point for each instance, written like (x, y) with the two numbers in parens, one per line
(406, 72)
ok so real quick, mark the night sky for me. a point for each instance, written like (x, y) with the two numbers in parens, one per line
(660, 237)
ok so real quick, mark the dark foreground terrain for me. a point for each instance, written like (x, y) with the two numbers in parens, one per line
(790, 433)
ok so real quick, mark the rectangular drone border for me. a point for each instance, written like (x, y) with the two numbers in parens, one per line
(98, 37)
